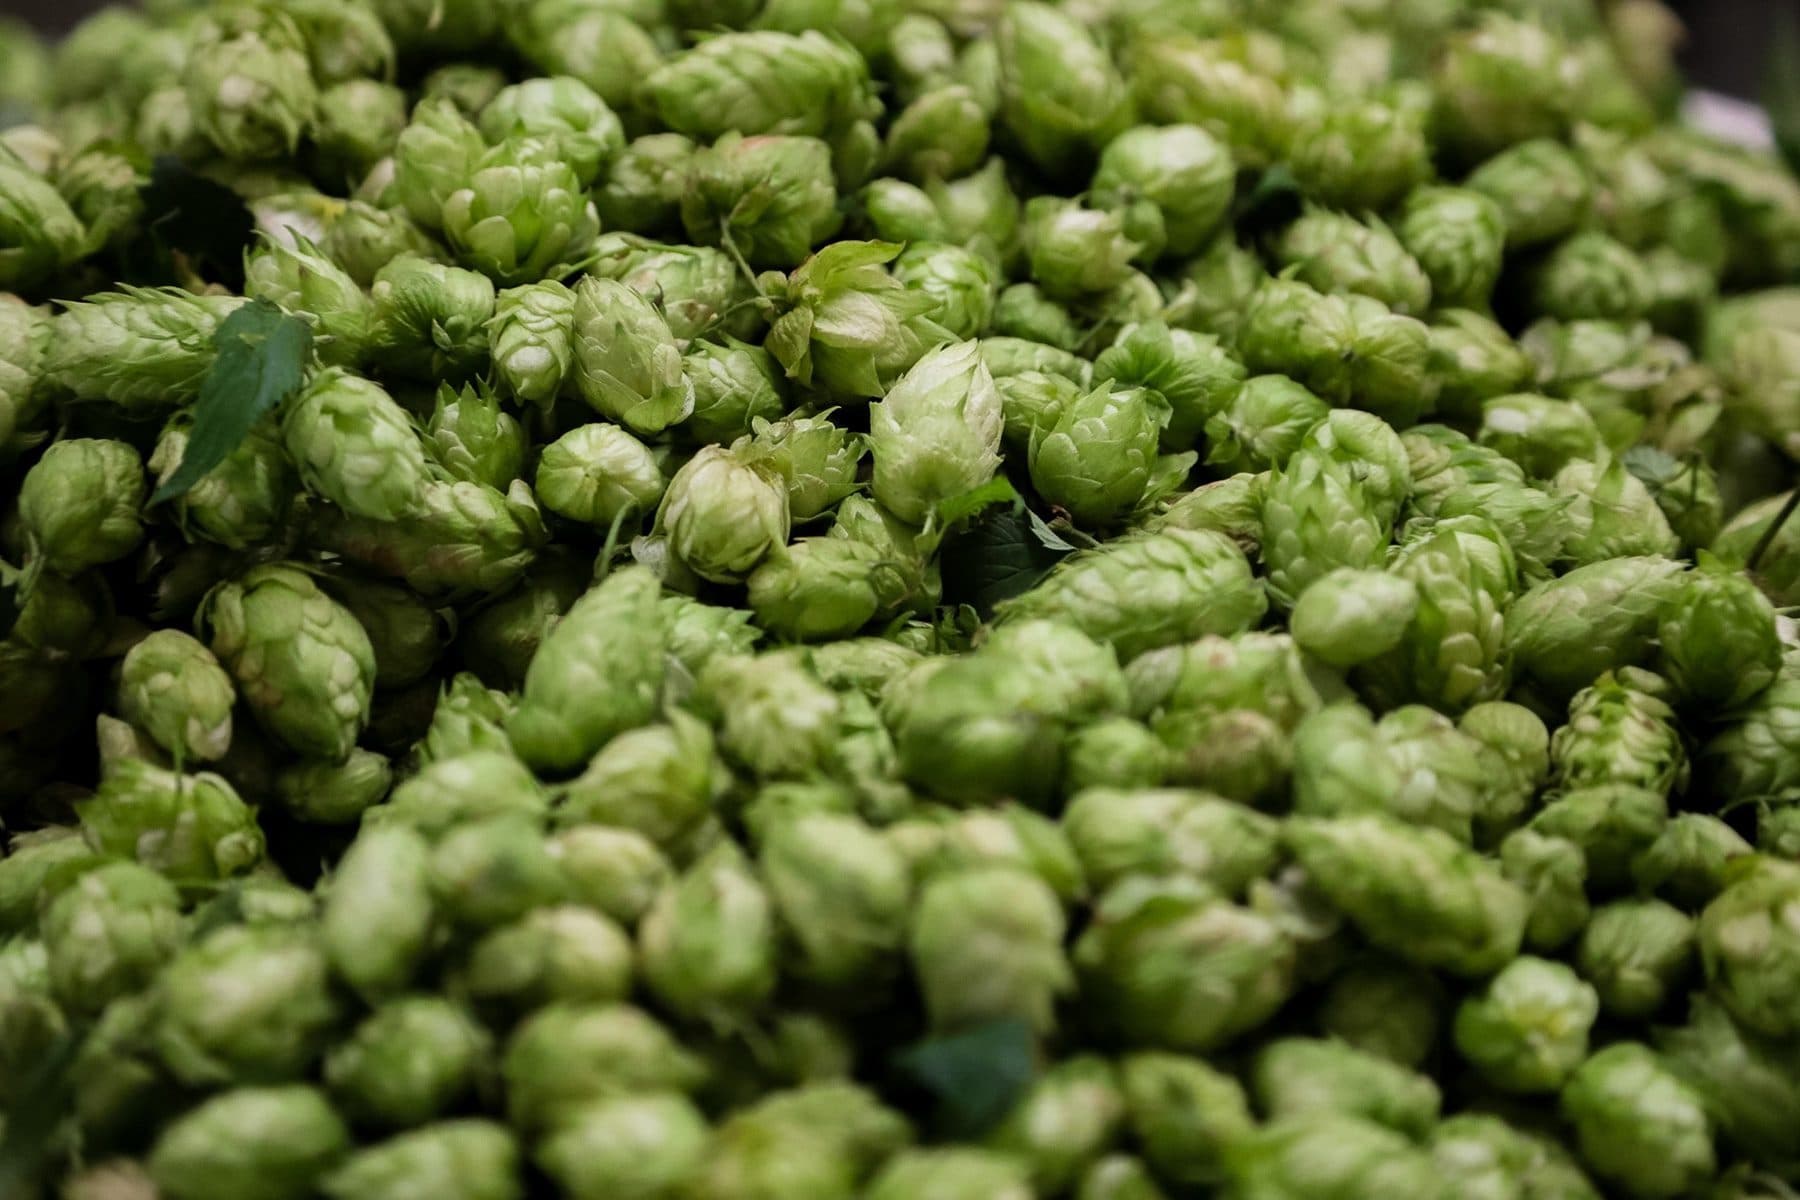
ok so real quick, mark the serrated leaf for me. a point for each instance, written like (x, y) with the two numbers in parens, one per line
(997, 557)
(974, 1077)
(998, 490)
(190, 216)
(262, 356)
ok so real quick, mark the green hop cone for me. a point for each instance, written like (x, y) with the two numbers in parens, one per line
(355, 446)
(937, 433)
(657, 780)
(1184, 1114)
(1317, 517)
(302, 663)
(39, 232)
(1460, 914)
(530, 340)
(962, 282)
(1337, 253)
(699, 290)
(1349, 616)
(378, 917)
(1637, 1124)
(1060, 94)
(1458, 236)
(565, 111)
(462, 538)
(1148, 590)
(816, 458)
(1747, 948)
(1564, 633)
(328, 793)
(434, 155)
(822, 588)
(1183, 79)
(1593, 276)
(464, 1159)
(470, 436)
(1300, 1077)
(770, 198)
(1263, 425)
(192, 828)
(1690, 862)
(521, 214)
(642, 192)
(707, 944)
(596, 473)
(1482, 1155)
(1528, 1031)
(723, 515)
(986, 944)
(108, 934)
(356, 125)
(407, 1063)
(775, 718)
(940, 135)
(1328, 1154)
(954, 1173)
(1169, 832)
(1746, 1081)
(240, 502)
(251, 1143)
(1384, 1008)
(1620, 731)
(1360, 154)
(172, 687)
(564, 1056)
(80, 503)
(734, 385)
(1717, 639)
(1501, 82)
(363, 238)
(1637, 954)
(609, 49)
(762, 82)
(302, 279)
(430, 320)
(1542, 188)
(1473, 359)
(1075, 252)
(650, 1146)
(249, 83)
(490, 871)
(1166, 963)
(1173, 183)
(853, 328)
(1543, 435)
(843, 894)
(1096, 459)
(281, 1016)
(627, 364)
(1193, 372)
(556, 954)
(596, 674)
(1068, 1119)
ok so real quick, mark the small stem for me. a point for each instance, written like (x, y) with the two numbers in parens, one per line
(1774, 529)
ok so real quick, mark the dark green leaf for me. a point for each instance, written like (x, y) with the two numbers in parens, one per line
(997, 490)
(187, 215)
(973, 1077)
(997, 557)
(1782, 90)
(262, 357)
